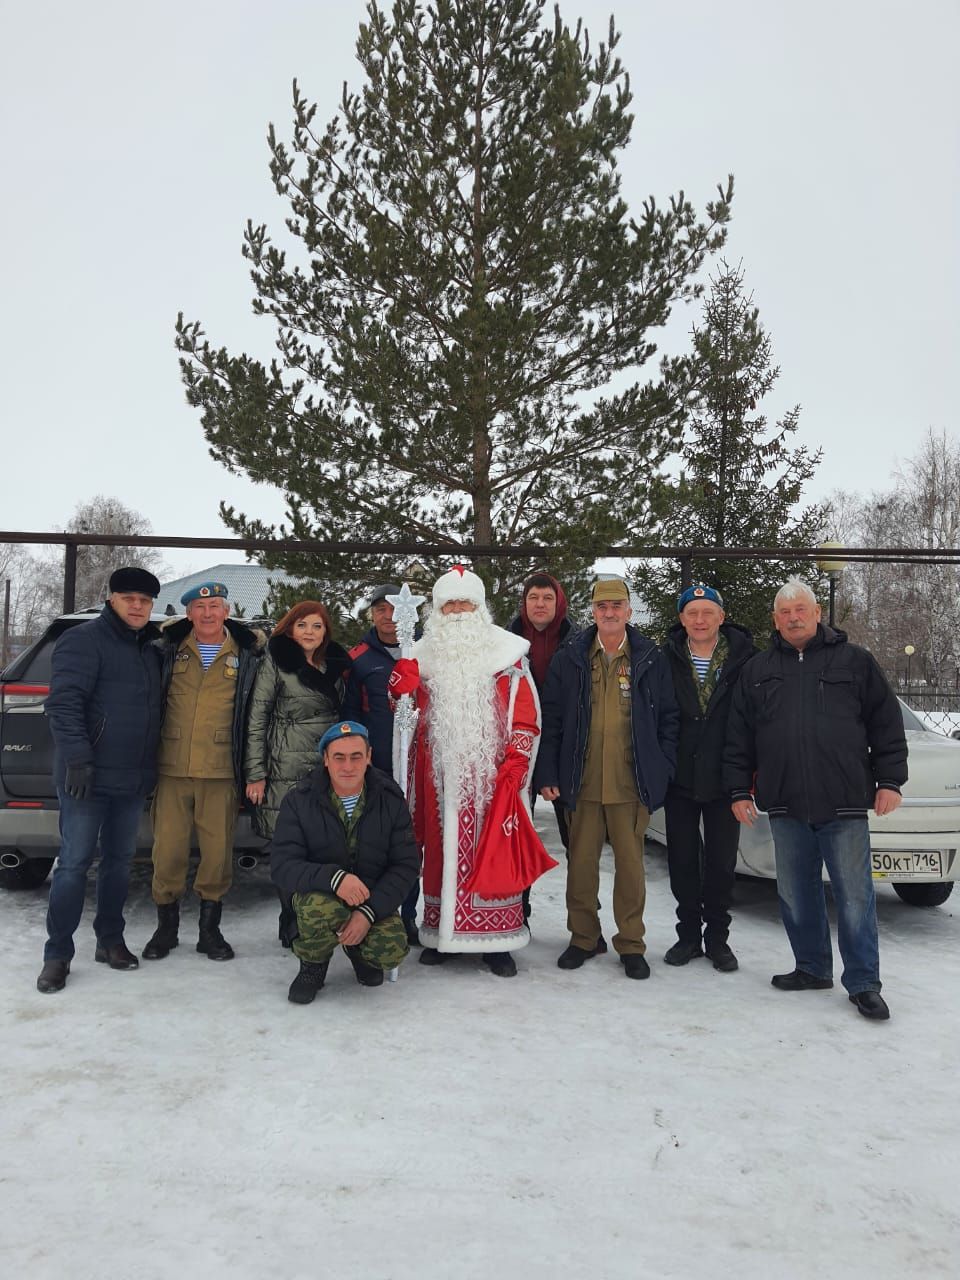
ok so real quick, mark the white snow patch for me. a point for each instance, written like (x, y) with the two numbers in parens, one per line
(186, 1120)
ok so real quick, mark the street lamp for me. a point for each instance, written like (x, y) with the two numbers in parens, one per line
(833, 569)
(909, 650)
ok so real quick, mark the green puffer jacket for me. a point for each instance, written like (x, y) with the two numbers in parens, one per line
(292, 706)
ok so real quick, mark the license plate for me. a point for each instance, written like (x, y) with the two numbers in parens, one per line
(903, 866)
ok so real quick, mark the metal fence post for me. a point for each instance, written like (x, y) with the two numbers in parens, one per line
(69, 577)
(4, 647)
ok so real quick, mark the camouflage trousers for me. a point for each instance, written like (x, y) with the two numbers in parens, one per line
(320, 915)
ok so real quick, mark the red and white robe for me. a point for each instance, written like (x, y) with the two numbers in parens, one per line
(454, 919)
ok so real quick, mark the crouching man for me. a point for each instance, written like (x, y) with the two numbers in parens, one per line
(343, 850)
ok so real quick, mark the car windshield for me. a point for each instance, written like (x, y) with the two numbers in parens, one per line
(911, 720)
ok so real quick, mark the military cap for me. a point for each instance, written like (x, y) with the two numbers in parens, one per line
(609, 589)
(699, 591)
(342, 729)
(380, 593)
(205, 591)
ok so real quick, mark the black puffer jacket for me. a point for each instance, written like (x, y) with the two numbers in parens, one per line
(821, 729)
(310, 851)
(703, 734)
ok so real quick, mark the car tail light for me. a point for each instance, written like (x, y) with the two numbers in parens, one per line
(23, 695)
(24, 804)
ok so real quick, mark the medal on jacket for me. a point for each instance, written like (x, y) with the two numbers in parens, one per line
(624, 681)
(232, 660)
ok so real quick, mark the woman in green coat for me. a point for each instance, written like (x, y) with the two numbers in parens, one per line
(296, 698)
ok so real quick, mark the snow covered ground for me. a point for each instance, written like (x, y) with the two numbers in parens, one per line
(185, 1120)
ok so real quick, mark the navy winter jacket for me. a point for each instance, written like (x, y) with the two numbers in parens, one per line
(567, 710)
(365, 698)
(104, 705)
(310, 853)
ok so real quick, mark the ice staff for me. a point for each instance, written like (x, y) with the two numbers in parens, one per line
(405, 606)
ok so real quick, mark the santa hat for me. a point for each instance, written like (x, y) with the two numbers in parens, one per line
(458, 584)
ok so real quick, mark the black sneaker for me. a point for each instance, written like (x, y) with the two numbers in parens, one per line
(635, 966)
(871, 1004)
(307, 983)
(799, 980)
(501, 963)
(722, 957)
(683, 952)
(430, 955)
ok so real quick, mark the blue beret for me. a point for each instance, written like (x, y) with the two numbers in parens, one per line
(698, 592)
(342, 729)
(205, 591)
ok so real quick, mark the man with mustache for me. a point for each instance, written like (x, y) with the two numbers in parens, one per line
(816, 739)
(609, 750)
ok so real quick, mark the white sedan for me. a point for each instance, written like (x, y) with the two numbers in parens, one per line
(915, 848)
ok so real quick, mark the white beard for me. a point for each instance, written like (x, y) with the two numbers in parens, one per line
(465, 721)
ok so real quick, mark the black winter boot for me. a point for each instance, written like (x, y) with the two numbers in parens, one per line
(165, 936)
(53, 976)
(211, 942)
(304, 987)
(368, 975)
(501, 963)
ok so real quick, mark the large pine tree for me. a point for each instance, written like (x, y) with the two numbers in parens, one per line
(741, 479)
(465, 292)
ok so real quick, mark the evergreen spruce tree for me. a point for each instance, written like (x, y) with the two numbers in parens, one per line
(741, 480)
(466, 290)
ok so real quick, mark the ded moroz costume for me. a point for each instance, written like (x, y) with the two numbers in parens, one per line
(474, 747)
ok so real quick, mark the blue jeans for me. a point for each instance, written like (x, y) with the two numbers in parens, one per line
(114, 820)
(844, 845)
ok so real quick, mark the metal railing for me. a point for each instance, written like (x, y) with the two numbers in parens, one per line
(686, 556)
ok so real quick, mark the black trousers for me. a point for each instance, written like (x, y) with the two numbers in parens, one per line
(701, 866)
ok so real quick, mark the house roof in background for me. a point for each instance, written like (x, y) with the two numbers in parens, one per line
(248, 586)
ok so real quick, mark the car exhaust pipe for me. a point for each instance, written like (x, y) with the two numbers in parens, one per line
(247, 861)
(10, 859)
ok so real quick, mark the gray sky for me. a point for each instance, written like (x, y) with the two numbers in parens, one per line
(133, 141)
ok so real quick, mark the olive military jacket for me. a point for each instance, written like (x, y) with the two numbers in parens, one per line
(204, 716)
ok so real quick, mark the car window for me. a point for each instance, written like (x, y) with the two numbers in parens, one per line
(911, 720)
(39, 667)
(33, 666)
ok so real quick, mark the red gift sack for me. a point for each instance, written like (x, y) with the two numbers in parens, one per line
(510, 855)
